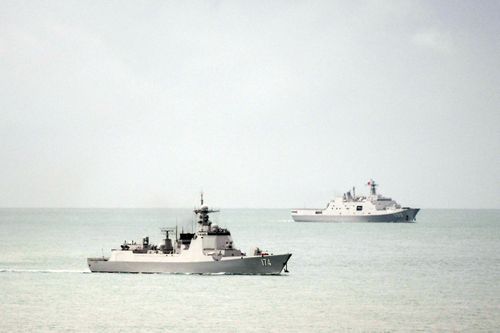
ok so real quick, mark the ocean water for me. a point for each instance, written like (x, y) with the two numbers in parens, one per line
(439, 274)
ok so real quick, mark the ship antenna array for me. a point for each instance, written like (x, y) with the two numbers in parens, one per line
(168, 230)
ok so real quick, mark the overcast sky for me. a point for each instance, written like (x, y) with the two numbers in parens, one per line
(258, 103)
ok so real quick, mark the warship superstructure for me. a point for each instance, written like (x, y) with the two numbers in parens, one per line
(208, 250)
(352, 208)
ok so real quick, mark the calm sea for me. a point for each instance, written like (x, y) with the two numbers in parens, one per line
(439, 274)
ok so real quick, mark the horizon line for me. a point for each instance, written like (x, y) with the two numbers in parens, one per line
(190, 208)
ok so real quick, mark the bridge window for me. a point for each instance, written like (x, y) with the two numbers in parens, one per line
(358, 208)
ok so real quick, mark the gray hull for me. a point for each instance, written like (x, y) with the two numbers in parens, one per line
(407, 215)
(269, 264)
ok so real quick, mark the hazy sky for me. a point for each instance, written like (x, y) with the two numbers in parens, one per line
(258, 103)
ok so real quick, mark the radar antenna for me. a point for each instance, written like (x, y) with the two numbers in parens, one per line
(169, 230)
(167, 246)
(203, 212)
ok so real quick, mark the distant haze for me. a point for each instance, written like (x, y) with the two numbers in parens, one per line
(258, 103)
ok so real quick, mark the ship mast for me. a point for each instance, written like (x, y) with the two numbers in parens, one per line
(167, 246)
(203, 212)
(373, 187)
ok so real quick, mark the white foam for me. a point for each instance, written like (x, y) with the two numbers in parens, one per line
(14, 270)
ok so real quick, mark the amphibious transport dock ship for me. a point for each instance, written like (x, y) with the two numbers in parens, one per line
(209, 250)
(352, 208)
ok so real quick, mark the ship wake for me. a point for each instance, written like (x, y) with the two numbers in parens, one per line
(66, 271)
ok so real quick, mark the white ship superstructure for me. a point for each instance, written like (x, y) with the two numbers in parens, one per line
(209, 250)
(352, 208)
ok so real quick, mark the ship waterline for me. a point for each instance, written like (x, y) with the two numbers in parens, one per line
(262, 265)
(404, 215)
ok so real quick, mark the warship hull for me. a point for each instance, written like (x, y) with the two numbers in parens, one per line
(259, 265)
(404, 216)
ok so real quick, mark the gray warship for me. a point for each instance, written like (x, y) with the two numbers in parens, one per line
(353, 208)
(209, 250)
